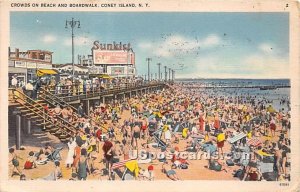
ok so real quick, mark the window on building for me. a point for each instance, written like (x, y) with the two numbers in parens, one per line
(42, 56)
(33, 55)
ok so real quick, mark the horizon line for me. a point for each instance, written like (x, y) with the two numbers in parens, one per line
(231, 78)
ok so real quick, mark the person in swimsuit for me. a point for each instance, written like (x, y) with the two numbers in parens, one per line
(55, 174)
(285, 154)
(82, 165)
(14, 159)
(30, 161)
(70, 113)
(167, 169)
(128, 131)
(93, 168)
(108, 156)
(126, 149)
(57, 110)
(65, 114)
(277, 160)
(77, 151)
(48, 149)
(57, 171)
(253, 174)
(216, 123)
(220, 142)
(201, 122)
(272, 127)
(176, 117)
(144, 127)
(136, 134)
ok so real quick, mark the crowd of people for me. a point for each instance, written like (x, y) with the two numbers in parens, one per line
(174, 120)
(68, 86)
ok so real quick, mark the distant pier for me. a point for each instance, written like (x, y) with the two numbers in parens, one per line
(261, 87)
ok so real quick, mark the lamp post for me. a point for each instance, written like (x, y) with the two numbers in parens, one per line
(166, 73)
(169, 74)
(148, 60)
(173, 75)
(159, 71)
(73, 24)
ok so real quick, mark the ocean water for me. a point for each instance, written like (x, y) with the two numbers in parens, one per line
(241, 82)
(273, 96)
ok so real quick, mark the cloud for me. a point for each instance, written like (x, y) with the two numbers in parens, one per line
(210, 41)
(267, 66)
(79, 40)
(49, 38)
(178, 45)
(266, 48)
(252, 66)
(264, 61)
(145, 45)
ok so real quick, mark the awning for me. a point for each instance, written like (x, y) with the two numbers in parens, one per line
(103, 76)
(42, 72)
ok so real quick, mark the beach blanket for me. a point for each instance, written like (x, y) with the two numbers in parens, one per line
(261, 153)
(254, 142)
(146, 114)
(236, 138)
(151, 117)
(144, 161)
(197, 136)
(178, 127)
(209, 148)
(265, 167)
(120, 164)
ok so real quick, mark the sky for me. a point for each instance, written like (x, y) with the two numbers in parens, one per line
(195, 45)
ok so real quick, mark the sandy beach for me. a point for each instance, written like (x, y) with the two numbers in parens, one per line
(161, 102)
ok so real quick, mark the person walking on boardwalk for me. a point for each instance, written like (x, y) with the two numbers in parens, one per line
(80, 110)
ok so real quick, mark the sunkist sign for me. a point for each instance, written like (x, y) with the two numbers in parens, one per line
(111, 46)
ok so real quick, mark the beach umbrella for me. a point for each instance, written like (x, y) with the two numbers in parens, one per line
(146, 114)
(158, 114)
(151, 117)
(185, 132)
(270, 109)
(133, 167)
